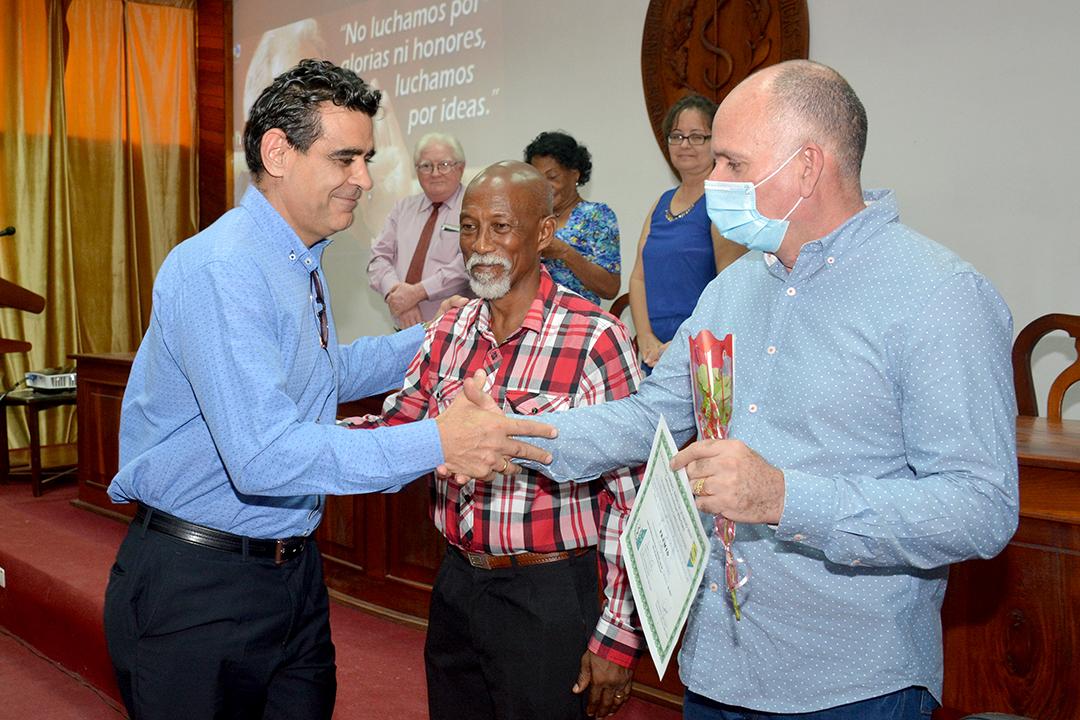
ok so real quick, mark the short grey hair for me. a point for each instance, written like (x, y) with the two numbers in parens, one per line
(433, 138)
(813, 100)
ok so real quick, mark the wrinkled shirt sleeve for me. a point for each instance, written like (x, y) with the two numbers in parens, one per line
(257, 429)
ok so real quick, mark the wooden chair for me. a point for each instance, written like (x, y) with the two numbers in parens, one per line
(1026, 402)
(618, 306)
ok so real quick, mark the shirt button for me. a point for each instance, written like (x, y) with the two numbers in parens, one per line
(830, 259)
(752, 408)
(856, 561)
(771, 349)
(798, 537)
(714, 587)
(292, 256)
(791, 292)
(308, 262)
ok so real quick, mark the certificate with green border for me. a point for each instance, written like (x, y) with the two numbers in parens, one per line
(665, 549)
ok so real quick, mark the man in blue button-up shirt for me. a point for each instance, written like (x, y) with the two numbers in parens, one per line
(216, 606)
(872, 440)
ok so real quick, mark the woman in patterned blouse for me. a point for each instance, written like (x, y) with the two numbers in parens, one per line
(584, 255)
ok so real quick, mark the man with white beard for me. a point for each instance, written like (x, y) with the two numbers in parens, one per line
(515, 629)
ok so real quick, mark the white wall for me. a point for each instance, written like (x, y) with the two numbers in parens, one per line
(973, 109)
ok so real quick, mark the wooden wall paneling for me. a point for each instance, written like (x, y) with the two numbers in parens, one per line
(213, 62)
(1011, 625)
(416, 547)
(341, 533)
(375, 545)
(100, 393)
(1004, 614)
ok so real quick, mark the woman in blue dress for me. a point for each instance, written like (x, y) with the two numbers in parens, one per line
(584, 255)
(680, 251)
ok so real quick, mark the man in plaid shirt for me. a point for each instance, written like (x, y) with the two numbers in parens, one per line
(515, 629)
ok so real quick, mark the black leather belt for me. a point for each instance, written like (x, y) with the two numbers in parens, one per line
(280, 550)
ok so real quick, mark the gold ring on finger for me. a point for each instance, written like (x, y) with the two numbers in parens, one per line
(699, 486)
(506, 464)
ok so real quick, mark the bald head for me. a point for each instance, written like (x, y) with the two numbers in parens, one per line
(532, 192)
(807, 101)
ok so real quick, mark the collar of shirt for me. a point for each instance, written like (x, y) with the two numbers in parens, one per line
(826, 252)
(534, 318)
(426, 203)
(280, 237)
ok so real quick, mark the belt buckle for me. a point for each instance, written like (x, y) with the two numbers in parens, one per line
(283, 553)
(279, 552)
(478, 561)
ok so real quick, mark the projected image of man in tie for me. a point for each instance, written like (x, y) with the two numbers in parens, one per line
(416, 260)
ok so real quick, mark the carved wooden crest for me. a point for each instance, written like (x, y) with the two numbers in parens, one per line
(709, 46)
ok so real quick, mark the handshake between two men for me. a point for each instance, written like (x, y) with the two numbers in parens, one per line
(479, 441)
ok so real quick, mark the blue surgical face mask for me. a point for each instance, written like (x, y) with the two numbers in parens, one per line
(732, 207)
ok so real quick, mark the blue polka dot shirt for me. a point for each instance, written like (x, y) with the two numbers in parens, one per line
(876, 375)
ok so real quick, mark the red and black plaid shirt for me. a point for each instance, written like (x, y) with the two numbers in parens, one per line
(567, 352)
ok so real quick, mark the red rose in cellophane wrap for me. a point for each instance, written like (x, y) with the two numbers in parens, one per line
(712, 371)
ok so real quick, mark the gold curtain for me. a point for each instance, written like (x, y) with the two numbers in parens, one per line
(97, 172)
(130, 89)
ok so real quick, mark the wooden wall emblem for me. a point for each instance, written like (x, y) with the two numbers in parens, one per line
(709, 46)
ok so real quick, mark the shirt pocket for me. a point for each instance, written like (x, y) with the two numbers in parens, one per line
(443, 394)
(524, 402)
(448, 249)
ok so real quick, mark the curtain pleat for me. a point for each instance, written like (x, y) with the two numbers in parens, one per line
(161, 123)
(131, 69)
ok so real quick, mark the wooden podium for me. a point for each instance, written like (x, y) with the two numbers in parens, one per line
(19, 298)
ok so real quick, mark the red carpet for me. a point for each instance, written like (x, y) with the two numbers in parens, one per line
(45, 690)
(56, 560)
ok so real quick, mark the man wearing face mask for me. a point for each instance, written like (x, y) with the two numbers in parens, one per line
(872, 437)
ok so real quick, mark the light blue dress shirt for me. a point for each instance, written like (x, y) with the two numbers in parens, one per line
(876, 375)
(228, 417)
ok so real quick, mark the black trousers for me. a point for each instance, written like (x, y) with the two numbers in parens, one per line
(198, 633)
(507, 644)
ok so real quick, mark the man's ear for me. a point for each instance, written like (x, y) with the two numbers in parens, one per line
(547, 232)
(811, 161)
(275, 151)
